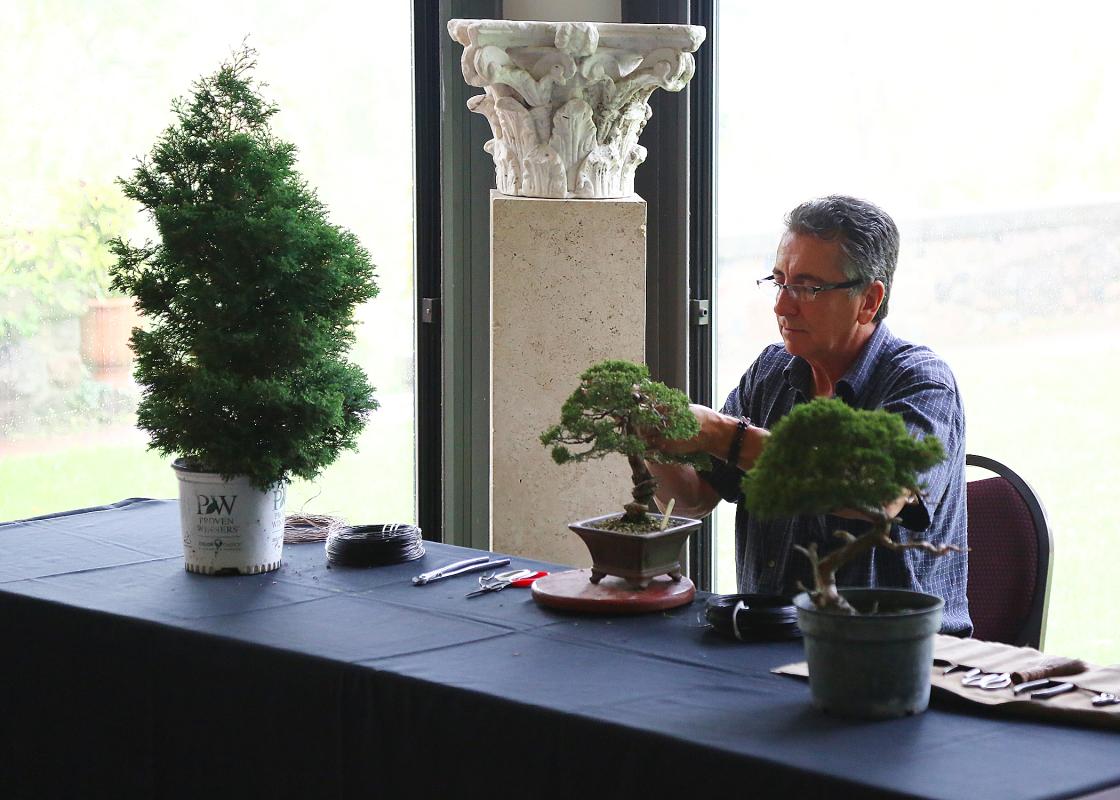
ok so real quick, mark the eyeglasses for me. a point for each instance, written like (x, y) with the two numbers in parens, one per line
(803, 293)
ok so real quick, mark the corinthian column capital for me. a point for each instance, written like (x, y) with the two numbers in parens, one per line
(567, 101)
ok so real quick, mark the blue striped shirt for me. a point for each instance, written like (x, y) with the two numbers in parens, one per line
(891, 374)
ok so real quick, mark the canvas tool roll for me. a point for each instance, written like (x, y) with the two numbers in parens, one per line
(994, 657)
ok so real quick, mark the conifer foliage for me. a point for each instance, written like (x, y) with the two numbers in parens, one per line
(825, 456)
(249, 293)
(614, 409)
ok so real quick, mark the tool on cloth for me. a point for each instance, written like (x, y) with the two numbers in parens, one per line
(1058, 688)
(496, 583)
(1102, 698)
(1051, 668)
(1045, 684)
(459, 568)
(995, 680)
(1033, 685)
(986, 680)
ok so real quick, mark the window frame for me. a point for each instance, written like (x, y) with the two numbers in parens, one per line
(677, 182)
(453, 180)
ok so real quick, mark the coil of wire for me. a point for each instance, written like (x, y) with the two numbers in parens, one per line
(374, 545)
(753, 617)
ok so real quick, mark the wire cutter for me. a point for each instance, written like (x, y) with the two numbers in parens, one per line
(495, 583)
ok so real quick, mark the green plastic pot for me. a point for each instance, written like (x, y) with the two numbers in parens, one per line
(871, 665)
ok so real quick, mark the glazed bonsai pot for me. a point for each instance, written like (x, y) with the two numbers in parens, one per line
(637, 558)
(871, 665)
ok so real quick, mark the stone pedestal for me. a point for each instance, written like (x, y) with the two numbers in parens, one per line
(567, 290)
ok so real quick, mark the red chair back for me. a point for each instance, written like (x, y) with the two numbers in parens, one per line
(1008, 559)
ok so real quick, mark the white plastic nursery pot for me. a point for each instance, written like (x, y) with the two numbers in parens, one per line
(229, 527)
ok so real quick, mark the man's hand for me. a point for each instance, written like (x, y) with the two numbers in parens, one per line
(697, 444)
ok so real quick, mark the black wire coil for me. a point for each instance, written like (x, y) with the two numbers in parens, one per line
(374, 545)
(753, 617)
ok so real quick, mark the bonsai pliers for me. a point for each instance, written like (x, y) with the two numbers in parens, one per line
(459, 568)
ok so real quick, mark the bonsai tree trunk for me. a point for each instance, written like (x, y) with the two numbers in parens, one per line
(825, 594)
(644, 486)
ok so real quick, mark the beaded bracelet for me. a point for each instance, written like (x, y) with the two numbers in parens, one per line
(737, 441)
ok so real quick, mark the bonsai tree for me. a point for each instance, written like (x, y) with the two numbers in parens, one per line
(250, 294)
(615, 406)
(824, 456)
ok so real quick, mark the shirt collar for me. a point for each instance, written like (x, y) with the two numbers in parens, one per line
(852, 384)
(799, 374)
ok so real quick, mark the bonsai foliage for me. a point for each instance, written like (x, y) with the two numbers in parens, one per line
(615, 406)
(825, 456)
(250, 293)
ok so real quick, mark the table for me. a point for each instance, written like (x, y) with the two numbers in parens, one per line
(123, 675)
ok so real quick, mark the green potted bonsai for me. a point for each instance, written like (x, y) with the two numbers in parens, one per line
(250, 296)
(614, 409)
(869, 650)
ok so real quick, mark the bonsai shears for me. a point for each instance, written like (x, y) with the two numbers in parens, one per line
(495, 583)
(986, 680)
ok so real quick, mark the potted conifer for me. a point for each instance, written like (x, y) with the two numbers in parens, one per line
(249, 294)
(614, 407)
(869, 651)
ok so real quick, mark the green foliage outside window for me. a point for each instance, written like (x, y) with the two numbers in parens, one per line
(53, 272)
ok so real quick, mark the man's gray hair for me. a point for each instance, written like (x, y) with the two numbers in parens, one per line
(868, 237)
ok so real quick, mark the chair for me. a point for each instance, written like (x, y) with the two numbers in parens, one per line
(1009, 562)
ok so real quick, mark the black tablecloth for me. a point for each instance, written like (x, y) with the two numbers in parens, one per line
(124, 675)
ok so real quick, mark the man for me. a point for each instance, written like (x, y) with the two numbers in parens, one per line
(832, 279)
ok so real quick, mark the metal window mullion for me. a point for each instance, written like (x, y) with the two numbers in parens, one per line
(426, 244)
(467, 174)
(677, 184)
(662, 181)
(702, 251)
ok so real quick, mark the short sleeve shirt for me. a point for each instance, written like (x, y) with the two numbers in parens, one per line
(891, 374)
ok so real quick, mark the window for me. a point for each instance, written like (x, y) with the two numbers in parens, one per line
(989, 132)
(87, 89)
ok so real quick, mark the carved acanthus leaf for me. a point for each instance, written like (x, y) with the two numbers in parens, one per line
(573, 137)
